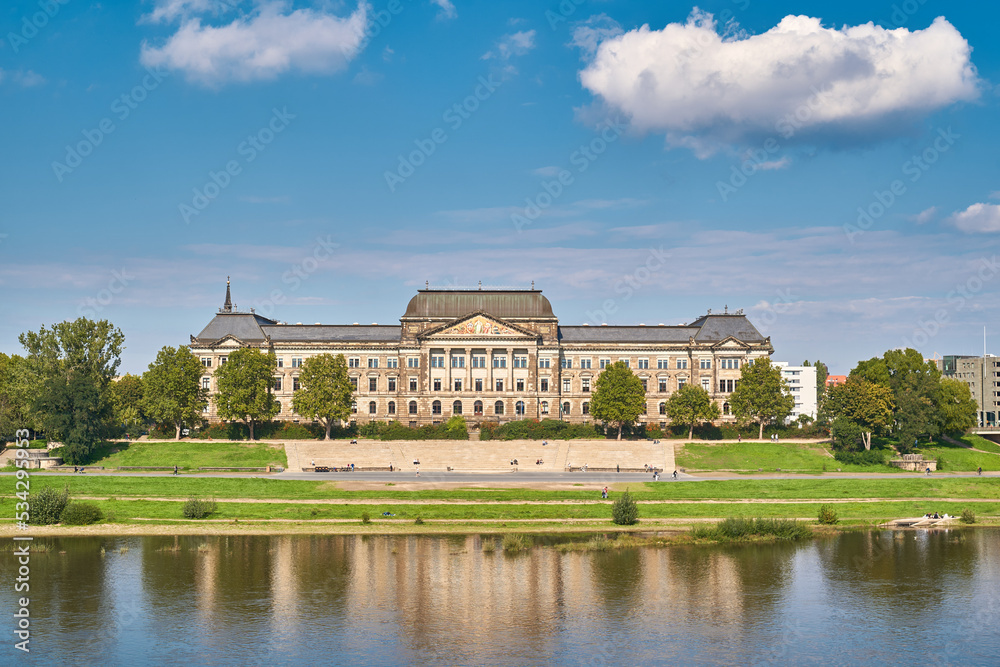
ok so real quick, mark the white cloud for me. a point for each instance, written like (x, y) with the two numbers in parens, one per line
(27, 79)
(772, 165)
(168, 10)
(924, 216)
(706, 90)
(978, 218)
(514, 44)
(588, 36)
(447, 9)
(262, 44)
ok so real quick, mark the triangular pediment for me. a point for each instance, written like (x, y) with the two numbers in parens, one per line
(228, 340)
(479, 325)
(730, 343)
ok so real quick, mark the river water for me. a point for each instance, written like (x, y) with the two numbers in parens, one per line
(857, 598)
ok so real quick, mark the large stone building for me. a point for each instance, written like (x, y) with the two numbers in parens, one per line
(982, 375)
(488, 354)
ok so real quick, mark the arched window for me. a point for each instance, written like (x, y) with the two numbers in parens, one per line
(566, 408)
(477, 408)
(545, 407)
(663, 408)
(498, 408)
(413, 407)
(354, 407)
(392, 407)
(725, 408)
(586, 407)
(372, 407)
(456, 408)
(436, 408)
(519, 408)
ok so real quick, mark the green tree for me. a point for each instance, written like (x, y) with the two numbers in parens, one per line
(916, 392)
(619, 398)
(822, 373)
(690, 405)
(245, 383)
(126, 403)
(173, 393)
(867, 405)
(761, 395)
(15, 396)
(958, 410)
(71, 367)
(325, 392)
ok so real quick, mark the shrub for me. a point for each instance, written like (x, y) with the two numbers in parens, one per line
(737, 529)
(37, 444)
(625, 511)
(197, 508)
(874, 457)
(489, 545)
(366, 518)
(46, 506)
(419, 521)
(940, 463)
(534, 429)
(968, 516)
(827, 515)
(515, 542)
(81, 514)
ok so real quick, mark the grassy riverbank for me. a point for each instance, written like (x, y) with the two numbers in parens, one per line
(189, 455)
(754, 489)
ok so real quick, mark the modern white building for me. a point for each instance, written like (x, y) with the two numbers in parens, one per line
(801, 381)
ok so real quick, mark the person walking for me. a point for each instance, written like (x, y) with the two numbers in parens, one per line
(418, 471)
(980, 471)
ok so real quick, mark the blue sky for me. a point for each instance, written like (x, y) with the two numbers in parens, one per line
(332, 157)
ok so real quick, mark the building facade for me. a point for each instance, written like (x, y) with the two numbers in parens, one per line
(982, 374)
(801, 381)
(488, 354)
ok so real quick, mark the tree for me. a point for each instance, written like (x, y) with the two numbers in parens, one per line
(126, 403)
(625, 511)
(15, 396)
(173, 393)
(916, 392)
(325, 392)
(619, 398)
(245, 383)
(822, 373)
(866, 405)
(761, 395)
(958, 410)
(691, 405)
(71, 367)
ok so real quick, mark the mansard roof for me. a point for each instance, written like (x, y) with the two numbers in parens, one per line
(626, 334)
(245, 327)
(714, 328)
(505, 304)
(293, 333)
(706, 329)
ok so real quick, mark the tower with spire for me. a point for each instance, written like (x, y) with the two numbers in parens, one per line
(228, 306)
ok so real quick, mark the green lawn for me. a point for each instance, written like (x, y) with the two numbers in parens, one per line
(127, 511)
(905, 486)
(751, 456)
(189, 455)
(980, 443)
(956, 458)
